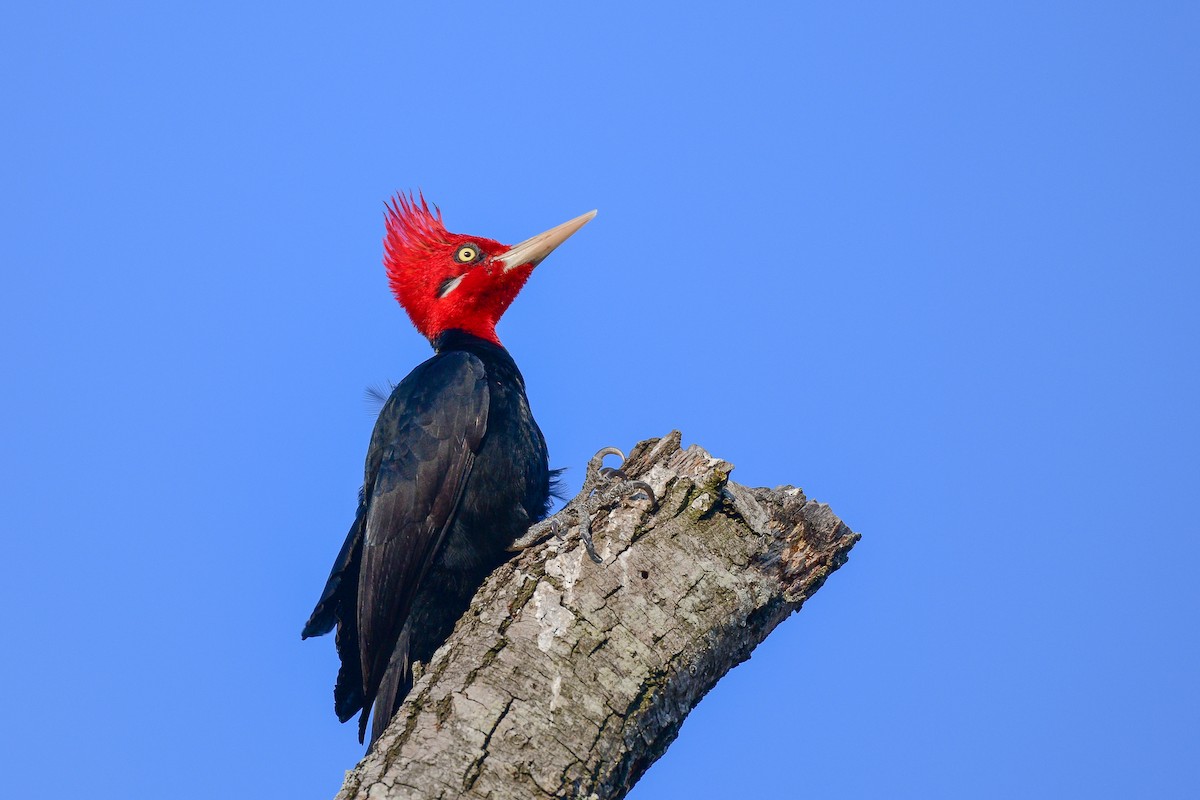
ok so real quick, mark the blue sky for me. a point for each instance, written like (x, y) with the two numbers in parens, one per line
(934, 262)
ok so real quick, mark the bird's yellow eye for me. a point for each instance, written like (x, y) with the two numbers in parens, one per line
(466, 254)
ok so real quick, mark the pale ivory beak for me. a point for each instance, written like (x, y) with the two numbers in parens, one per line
(532, 251)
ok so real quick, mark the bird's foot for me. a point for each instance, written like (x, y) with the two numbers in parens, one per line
(601, 486)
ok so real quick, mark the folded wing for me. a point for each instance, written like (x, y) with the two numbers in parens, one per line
(421, 456)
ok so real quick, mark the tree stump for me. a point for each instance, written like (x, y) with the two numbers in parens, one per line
(568, 679)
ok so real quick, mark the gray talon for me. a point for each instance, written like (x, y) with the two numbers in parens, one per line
(601, 486)
(585, 533)
(647, 489)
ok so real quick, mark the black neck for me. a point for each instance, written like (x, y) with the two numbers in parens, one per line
(499, 363)
(455, 339)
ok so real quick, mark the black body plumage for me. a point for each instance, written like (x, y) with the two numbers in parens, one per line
(456, 471)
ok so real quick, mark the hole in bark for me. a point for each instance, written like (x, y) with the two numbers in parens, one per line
(645, 574)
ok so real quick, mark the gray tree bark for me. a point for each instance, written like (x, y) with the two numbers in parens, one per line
(568, 679)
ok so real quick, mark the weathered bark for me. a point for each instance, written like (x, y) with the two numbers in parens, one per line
(568, 678)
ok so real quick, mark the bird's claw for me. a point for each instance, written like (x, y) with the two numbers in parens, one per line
(585, 534)
(601, 485)
(647, 490)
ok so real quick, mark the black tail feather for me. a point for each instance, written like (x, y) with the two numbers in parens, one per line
(397, 681)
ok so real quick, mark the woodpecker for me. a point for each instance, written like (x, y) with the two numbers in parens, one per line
(456, 469)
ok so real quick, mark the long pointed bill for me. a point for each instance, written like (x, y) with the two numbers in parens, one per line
(532, 251)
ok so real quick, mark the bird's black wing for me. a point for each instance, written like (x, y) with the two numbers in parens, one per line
(337, 606)
(344, 572)
(424, 446)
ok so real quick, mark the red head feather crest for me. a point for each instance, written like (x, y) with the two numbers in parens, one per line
(447, 280)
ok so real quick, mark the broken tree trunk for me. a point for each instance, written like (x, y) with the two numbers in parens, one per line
(568, 678)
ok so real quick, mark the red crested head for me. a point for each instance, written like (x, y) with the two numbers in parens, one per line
(448, 280)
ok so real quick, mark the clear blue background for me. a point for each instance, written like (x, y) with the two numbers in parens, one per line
(934, 262)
